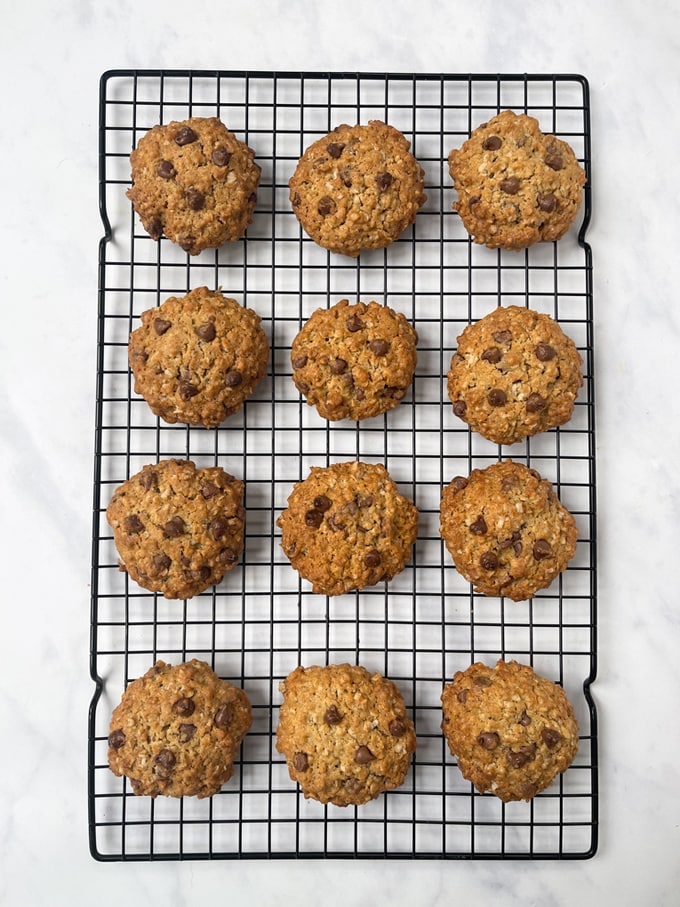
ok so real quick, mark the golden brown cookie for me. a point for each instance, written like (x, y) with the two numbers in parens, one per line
(512, 730)
(178, 529)
(354, 361)
(344, 732)
(197, 358)
(357, 188)
(177, 731)
(506, 530)
(347, 527)
(515, 373)
(194, 182)
(516, 186)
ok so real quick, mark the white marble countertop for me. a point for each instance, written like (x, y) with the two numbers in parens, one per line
(51, 59)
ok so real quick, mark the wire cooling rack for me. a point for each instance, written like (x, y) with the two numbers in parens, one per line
(262, 620)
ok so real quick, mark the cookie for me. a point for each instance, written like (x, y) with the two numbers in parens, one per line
(344, 733)
(515, 373)
(197, 358)
(177, 731)
(511, 730)
(516, 186)
(357, 188)
(194, 182)
(354, 361)
(178, 529)
(347, 527)
(506, 530)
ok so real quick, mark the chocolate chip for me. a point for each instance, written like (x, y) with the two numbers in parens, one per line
(206, 331)
(510, 185)
(522, 756)
(524, 719)
(185, 136)
(155, 228)
(364, 501)
(302, 386)
(379, 347)
(489, 740)
(164, 764)
(547, 202)
(186, 732)
(313, 519)
(492, 143)
(209, 490)
(483, 680)
(184, 707)
(187, 390)
(459, 483)
(165, 170)
(475, 200)
(535, 403)
(497, 397)
(174, 528)
(359, 393)
(542, 549)
(462, 696)
(397, 727)
(488, 560)
(363, 756)
(233, 378)
(335, 149)
(372, 559)
(195, 199)
(296, 200)
(149, 479)
(186, 243)
(299, 362)
(544, 352)
(460, 408)
(550, 737)
(221, 157)
(161, 561)
(117, 739)
(223, 716)
(227, 556)
(346, 177)
(354, 324)
(350, 507)
(218, 527)
(326, 206)
(300, 762)
(554, 159)
(322, 503)
(160, 326)
(332, 715)
(338, 366)
(133, 525)
(479, 526)
(492, 354)
(503, 336)
(384, 181)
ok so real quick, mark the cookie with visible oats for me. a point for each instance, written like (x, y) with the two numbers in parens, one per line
(197, 358)
(515, 373)
(516, 186)
(178, 529)
(511, 730)
(344, 733)
(347, 526)
(359, 187)
(178, 730)
(506, 530)
(194, 182)
(354, 361)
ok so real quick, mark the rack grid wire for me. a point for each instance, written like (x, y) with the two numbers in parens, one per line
(262, 620)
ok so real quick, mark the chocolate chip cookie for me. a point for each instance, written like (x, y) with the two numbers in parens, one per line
(177, 731)
(178, 529)
(194, 182)
(354, 361)
(345, 733)
(357, 188)
(515, 373)
(512, 730)
(516, 186)
(506, 530)
(347, 527)
(197, 358)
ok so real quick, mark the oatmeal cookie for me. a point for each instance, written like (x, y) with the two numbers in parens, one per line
(357, 188)
(506, 530)
(516, 186)
(515, 373)
(197, 358)
(177, 731)
(347, 527)
(354, 361)
(178, 529)
(344, 733)
(511, 730)
(194, 182)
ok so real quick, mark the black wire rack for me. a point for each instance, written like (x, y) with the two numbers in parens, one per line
(262, 620)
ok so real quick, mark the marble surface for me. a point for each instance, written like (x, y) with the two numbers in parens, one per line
(51, 58)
